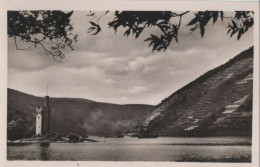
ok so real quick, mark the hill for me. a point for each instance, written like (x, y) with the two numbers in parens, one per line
(71, 115)
(217, 103)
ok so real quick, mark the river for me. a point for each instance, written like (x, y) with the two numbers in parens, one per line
(206, 149)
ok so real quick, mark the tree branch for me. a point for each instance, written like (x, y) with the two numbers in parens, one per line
(179, 22)
(181, 14)
(53, 55)
(16, 45)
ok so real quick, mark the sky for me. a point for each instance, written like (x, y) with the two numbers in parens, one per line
(111, 68)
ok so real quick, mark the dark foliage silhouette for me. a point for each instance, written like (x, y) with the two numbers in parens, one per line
(52, 30)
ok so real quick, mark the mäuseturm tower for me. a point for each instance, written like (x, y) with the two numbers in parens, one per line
(43, 115)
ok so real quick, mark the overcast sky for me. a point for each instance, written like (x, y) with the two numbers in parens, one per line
(111, 68)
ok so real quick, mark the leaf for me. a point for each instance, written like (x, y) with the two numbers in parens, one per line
(98, 30)
(154, 37)
(204, 21)
(238, 14)
(69, 14)
(234, 23)
(194, 28)
(176, 38)
(162, 47)
(154, 40)
(228, 31)
(193, 21)
(215, 16)
(91, 29)
(233, 32)
(239, 35)
(221, 15)
(91, 14)
(246, 29)
(175, 29)
(155, 45)
(240, 32)
(92, 23)
(202, 30)
(138, 32)
(127, 32)
(148, 39)
(150, 44)
(96, 26)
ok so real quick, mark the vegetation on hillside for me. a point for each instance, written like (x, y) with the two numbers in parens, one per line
(71, 115)
(197, 109)
(243, 55)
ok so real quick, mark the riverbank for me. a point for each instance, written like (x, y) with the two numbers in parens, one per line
(53, 139)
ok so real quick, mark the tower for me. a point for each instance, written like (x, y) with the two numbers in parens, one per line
(38, 120)
(47, 115)
(43, 116)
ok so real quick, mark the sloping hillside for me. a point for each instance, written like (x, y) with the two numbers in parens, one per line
(71, 115)
(210, 105)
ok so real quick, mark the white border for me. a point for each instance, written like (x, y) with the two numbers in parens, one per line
(81, 5)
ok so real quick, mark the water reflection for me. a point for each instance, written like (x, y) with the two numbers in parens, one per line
(233, 149)
(44, 151)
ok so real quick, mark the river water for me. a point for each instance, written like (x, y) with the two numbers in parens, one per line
(207, 149)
